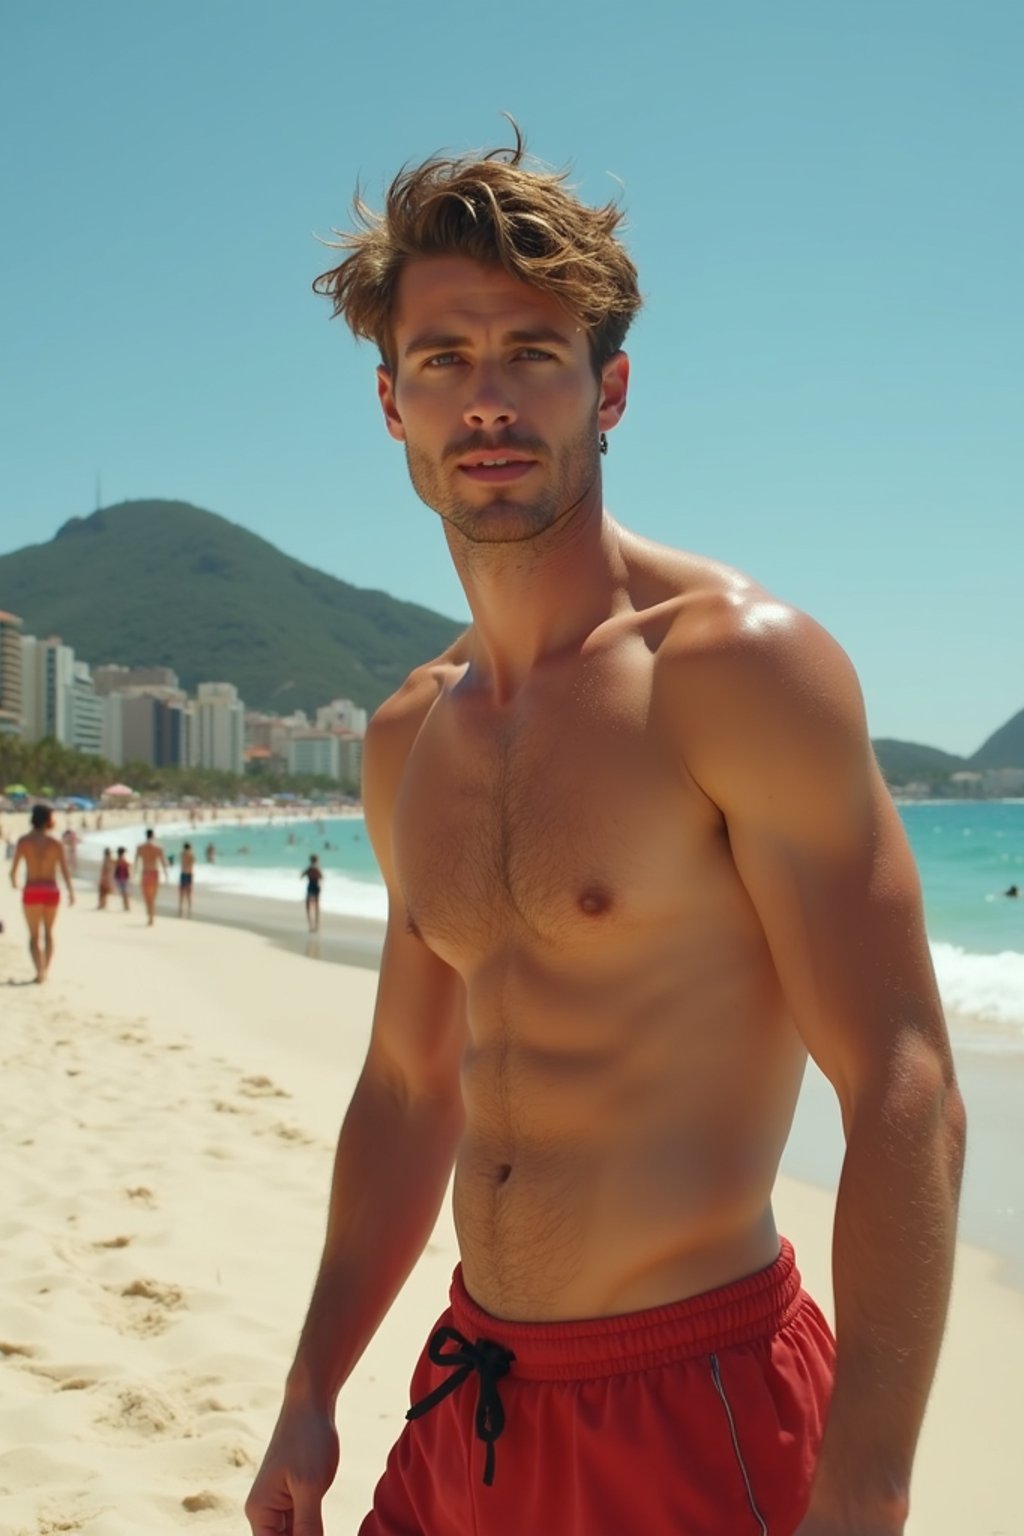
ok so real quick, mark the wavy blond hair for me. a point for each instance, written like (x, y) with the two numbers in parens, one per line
(496, 210)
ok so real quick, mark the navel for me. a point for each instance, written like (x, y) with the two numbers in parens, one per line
(595, 901)
(503, 1172)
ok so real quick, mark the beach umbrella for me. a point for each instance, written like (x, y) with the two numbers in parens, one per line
(15, 790)
(120, 790)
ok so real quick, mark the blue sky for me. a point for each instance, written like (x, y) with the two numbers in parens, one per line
(824, 203)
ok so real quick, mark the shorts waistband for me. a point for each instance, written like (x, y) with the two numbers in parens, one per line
(750, 1309)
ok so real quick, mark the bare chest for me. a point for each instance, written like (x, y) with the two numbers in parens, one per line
(556, 822)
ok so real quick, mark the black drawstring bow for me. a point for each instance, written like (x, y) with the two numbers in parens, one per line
(491, 1362)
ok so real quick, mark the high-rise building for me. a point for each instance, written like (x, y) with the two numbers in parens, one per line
(350, 757)
(47, 679)
(11, 722)
(314, 753)
(85, 713)
(342, 714)
(154, 730)
(219, 738)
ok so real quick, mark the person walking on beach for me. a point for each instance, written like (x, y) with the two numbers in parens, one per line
(313, 876)
(185, 876)
(640, 863)
(106, 879)
(122, 875)
(43, 856)
(151, 856)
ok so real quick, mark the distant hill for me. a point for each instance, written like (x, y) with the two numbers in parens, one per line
(162, 583)
(902, 762)
(1004, 748)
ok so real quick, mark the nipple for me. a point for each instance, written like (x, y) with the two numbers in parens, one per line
(595, 901)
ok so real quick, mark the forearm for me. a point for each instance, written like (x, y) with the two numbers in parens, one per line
(391, 1171)
(893, 1248)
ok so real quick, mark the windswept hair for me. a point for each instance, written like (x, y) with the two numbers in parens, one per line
(494, 210)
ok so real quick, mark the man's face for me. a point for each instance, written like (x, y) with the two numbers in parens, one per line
(495, 398)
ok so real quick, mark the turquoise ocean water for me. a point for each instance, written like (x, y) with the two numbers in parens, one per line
(968, 854)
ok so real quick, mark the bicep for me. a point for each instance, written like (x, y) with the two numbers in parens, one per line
(844, 924)
(419, 1023)
(821, 851)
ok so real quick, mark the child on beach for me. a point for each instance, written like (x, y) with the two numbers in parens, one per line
(122, 875)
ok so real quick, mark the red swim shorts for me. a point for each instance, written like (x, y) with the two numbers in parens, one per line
(702, 1418)
(42, 893)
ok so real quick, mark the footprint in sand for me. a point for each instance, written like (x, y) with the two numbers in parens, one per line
(112, 1242)
(139, 1411)
(292, 1133)
(10, 1351)
(145, 1307)
(261, 1088)
(197, 1503)
(143, 1195)
(65, 1378)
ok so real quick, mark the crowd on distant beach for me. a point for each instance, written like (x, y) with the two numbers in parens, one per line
(44, 855)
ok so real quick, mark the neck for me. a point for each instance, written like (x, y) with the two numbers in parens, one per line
(532, 600)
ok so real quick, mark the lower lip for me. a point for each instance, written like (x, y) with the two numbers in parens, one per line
(497, 474)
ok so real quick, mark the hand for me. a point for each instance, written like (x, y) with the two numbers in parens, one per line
(298, 1468)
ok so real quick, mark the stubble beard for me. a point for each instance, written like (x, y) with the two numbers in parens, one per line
(508, 518)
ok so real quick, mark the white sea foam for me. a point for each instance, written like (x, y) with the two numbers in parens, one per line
(985, 990)
(339, 893)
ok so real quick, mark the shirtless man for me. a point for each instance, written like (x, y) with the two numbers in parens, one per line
(185, 878)
(42, 855)
(151, 856)
(640, 861)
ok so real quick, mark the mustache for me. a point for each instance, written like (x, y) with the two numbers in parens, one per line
(481, 442)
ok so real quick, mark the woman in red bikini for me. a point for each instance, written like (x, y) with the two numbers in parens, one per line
(42, 856)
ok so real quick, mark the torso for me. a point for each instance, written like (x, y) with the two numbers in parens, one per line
(630, 1072)
(41, 854)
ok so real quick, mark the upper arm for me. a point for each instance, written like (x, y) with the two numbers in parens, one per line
(419, 1025)
(819, 847)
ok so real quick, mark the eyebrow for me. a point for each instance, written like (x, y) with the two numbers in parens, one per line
(433, 341)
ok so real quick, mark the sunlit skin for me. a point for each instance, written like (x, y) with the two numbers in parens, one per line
(639, 862)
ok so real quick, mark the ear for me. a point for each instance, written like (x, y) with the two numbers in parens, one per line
(386, 396)
(611, 404)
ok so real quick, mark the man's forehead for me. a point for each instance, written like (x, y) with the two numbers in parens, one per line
(455, 293)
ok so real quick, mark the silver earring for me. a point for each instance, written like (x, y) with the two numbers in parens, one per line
(602, 441)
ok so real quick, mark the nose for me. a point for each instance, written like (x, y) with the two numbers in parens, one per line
(489, 404)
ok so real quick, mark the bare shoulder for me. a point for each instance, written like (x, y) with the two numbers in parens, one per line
(390, 735)
(756, 694)
(395, 724)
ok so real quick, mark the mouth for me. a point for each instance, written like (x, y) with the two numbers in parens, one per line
(496, 468)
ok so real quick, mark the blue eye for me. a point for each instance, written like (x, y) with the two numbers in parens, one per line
(442, 359)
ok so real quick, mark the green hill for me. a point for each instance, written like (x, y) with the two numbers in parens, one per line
(162, 583)
(1004, 748)
(902, 762)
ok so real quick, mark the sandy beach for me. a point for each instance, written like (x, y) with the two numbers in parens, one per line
(170, 1100)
